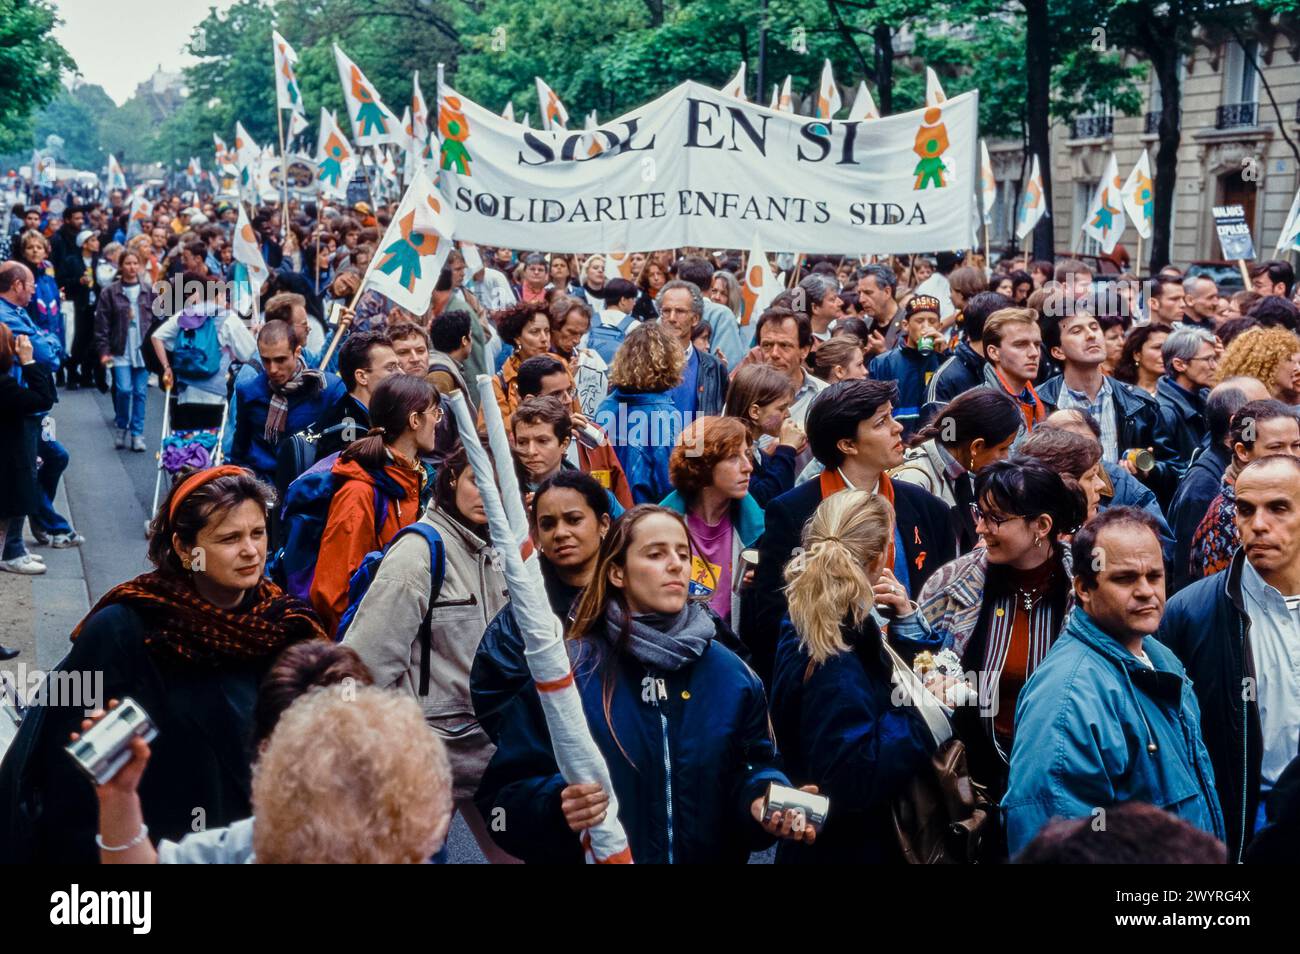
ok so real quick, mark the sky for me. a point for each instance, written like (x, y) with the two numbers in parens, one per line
(119, 43)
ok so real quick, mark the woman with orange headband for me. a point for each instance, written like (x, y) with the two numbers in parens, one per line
(189, 641)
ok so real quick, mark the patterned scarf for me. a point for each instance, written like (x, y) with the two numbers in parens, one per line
(181, 625)
(304, 380)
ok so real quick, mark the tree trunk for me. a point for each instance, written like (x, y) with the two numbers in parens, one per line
(1038, 91)
(884, 67)
(1164, 57)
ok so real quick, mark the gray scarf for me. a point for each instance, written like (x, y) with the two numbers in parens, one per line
(663, 642)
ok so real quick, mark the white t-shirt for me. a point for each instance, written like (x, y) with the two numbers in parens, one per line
(237, 343)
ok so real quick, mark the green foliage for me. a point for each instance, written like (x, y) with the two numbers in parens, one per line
(32, 63)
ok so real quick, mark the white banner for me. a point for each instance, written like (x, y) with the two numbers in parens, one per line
(698, 167)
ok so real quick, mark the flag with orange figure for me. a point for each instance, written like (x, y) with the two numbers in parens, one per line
(736, 87)
(248, 158)
(373, 123)
(1032, 206)
(828, 94)
(411, 254)
(554, 115)
(1105, 220)
(248, 252)
(335, 159)
(760, 285)
(1139, 196)
(288, 95)
(864, 107)
(988, 184)
(619, 261)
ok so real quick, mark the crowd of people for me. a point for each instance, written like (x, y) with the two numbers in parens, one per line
(1022, 529)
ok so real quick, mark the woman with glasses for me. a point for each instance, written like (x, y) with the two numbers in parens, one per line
(1001, 606)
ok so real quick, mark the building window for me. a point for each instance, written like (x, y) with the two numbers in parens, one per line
(1240, 105)
(1083, 243)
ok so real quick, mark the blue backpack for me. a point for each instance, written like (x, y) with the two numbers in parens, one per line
(304, 515)
(605, 339)
(196, 355)
(369, 569)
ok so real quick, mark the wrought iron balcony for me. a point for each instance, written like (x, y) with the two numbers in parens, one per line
(1236, 114)
(1092, 127)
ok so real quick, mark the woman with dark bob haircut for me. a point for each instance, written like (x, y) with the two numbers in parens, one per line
(1001, 606)
(527, 329)
(190, 641)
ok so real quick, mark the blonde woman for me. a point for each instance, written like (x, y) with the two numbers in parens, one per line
(836, 722)
(1272, 355)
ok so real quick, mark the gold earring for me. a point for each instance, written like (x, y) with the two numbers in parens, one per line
(186, 562)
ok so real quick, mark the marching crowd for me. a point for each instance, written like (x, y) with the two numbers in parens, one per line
(1005, 562)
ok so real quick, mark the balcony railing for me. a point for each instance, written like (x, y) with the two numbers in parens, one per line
(1092, 127)
(1236, 114)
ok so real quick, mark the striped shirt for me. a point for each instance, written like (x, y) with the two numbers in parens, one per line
(1102, 410)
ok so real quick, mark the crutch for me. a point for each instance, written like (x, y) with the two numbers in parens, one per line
(157, 484)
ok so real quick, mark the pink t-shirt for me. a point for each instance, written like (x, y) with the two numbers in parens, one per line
(712, 561)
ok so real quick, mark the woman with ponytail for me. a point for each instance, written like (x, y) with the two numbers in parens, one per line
(975, 429)
(380, 484)
(832, 707)
(680, 720)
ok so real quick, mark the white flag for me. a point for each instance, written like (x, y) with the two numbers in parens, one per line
(736, 87)
(335, 159)
(1139, 196)
(828, 94)
(760, 285)
(775, 102)
(373, 123)
(411, 254)
(247, 157)
(249, 252)
(140, 212)
(864, 107)
(287, 93)
(419, 120)
(509, 112)
(934, 94)
(1290, 229)
(116, 177)
(1032, 204)
(988, 184)
(1105, 218)
(554, 115)
(786, 102)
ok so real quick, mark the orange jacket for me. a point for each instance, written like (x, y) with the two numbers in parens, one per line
(350, 531)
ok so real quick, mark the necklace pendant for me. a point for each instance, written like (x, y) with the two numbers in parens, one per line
(1028, 603)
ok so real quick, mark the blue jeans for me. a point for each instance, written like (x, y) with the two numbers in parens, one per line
(14, 546)
(130, 398)
(54, 461)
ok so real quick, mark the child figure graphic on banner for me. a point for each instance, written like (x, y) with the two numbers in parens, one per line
(331, 167)
(455, 130)
(931, 144)
(406, 252)
(369, 116)
(1104, 217)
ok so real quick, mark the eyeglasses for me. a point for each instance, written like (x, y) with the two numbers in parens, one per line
(993, 520)
(1207, 358)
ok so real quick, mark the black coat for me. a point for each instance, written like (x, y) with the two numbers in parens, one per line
(19, 492)
(1207, 628)
(841, 730)
(1183, 416)
(924, 522)
(1139, 425)
(200, 760)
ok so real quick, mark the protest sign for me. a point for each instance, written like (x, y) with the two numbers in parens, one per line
(1234, 232)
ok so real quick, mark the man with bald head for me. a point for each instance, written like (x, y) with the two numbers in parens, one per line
(1238, 634)
(16, 289)
(1202, 482)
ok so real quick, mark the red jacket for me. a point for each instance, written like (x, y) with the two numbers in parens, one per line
(350, 532)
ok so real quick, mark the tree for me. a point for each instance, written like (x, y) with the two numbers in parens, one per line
(1163, 33)
(73, 116)
(32, 62)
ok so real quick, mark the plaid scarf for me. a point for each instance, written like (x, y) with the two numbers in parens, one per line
(181, 625)
(277, 414)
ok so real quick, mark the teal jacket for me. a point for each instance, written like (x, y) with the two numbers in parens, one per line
(1086, 724)
(747, 527)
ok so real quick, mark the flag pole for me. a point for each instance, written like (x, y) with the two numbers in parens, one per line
(346, 320)
(1138, 270)
(988, 259)
(794, 272)
(284, 179)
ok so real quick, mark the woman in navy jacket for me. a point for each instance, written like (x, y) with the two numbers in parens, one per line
(681, 721)
(831, 694)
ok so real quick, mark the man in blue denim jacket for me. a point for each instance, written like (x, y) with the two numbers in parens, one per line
(1109, 716)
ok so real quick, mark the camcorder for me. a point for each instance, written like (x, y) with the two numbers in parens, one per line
(105, 747)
